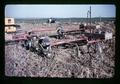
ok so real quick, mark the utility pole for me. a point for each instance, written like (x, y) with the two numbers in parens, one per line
(90, 15)
(100, 18)
(87, 17)
(89, 20)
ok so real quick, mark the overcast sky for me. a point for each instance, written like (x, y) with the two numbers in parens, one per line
(60, 11)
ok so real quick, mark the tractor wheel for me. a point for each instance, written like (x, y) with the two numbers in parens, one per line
(27, 47)
(39, 52)
(22, 44)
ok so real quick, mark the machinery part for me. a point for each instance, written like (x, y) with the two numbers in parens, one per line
(92, 48)
(34, 44)
(26, 44)
(10, 29)
(95, 36)
(10, 26)
(60, 32)
(51, 20)
(82, 28)
(44, 46)
(108, 35)
(39, 45)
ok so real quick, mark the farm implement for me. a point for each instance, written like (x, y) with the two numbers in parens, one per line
(65, 38)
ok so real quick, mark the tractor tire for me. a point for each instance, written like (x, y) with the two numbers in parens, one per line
(27, 47)
(23, 43)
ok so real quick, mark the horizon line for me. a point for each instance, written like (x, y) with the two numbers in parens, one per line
(57, 17)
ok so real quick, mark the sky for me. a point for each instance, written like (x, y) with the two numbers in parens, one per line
(58, 11)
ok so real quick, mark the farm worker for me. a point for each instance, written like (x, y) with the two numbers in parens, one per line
(60, 31)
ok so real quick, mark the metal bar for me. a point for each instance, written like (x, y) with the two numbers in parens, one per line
(48, 29)
(59, 42)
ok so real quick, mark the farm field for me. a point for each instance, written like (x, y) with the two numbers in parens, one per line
(69, 62)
